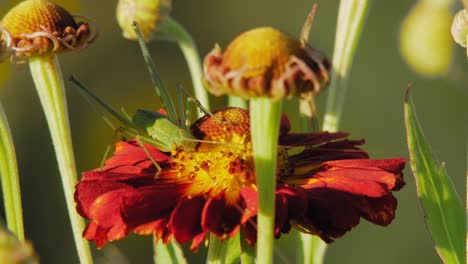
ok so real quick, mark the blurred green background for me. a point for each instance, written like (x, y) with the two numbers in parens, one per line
(115, 70)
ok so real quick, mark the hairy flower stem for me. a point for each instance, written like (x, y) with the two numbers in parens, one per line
(10, 179)
(351, 17)
(188, 47)
(264, 127)
(48, 79)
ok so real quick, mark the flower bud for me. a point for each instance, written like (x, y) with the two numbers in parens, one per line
(39, 27)
(460, 28)
(149, 14)
(425, 41)
(266, 62)
(13, 251)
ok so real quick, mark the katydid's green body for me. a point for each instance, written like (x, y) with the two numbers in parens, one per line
(163, 130)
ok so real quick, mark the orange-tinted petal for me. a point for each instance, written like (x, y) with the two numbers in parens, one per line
(368, 181)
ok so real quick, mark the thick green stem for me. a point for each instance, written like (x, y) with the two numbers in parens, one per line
(312, 250)
(189, 49)
(351, 17)
(48, 79)
(10, 179)
(216, 251)
(264, 126)
(168, 254)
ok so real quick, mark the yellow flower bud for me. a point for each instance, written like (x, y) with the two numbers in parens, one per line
(39, 27)
(265, 62)
(149, 14)
(425, 41)
(460, 27)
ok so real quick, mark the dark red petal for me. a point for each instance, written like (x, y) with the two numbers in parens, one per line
(220, 218)
(285, 125)
(394, 165)
(380, 211)
(296, 199)
(337, 150)
(250, 231)
(186, 218)
(332, 213)
(309, 139)
(281, 215)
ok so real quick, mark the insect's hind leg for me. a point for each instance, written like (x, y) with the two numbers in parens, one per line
(158, 168)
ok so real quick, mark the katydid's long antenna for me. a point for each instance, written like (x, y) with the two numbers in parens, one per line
(158, 84)
(100, 106)
(304, 35)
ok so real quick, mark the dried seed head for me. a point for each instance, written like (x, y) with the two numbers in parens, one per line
(40, 27)
(149, 14)
(266, 62)
(460, 28)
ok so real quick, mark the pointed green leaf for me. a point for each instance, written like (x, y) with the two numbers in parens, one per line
(444, 213)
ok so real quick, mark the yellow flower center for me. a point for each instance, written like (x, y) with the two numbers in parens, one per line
(222, 162)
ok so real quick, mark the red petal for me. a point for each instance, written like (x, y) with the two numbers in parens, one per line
(360, 180)
(250, 197)
(88, 191)
(131, 154)
(120, 211)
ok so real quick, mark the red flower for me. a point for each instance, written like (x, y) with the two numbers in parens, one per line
(323, 190)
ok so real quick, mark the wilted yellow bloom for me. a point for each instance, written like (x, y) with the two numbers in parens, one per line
(266, 62)
(13, 251)
(149, 14)
(40, 27)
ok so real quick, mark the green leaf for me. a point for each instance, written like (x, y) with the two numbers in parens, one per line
(444, 213)
(169, 254)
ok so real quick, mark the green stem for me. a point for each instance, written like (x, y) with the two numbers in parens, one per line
(189, 49)
(168, 254)
(236, 101)
(216, 250)
(48, 79)
(10, 179)
(264, 126)
(312, 250)
(351, 17)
